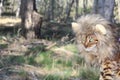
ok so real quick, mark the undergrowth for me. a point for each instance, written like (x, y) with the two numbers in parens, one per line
(58, 67)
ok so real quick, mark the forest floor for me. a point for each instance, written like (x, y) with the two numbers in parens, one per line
(50, 58)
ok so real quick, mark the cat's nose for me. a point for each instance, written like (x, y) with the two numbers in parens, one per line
(85, 45)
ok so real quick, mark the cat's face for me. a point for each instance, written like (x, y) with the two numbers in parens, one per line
(88, 41)
(86, 35)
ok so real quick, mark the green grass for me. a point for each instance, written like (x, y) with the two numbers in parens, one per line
(89, 74)
(6, 60)
(58, 67)
(55, 77)
(22, 73)
(71, 47)
(2, 46)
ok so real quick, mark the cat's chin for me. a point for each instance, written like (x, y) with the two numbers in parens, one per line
(92, 48)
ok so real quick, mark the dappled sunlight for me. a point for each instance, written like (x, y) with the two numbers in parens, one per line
(32, 60)
(37, 41)
(7, 21)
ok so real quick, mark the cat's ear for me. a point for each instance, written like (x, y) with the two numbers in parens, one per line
(75, 27)
(101, 28)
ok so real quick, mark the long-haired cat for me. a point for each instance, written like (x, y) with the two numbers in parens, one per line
(98, 44)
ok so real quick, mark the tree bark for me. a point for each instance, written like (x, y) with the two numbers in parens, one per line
(104, 8)
(69, 10)
(95, 7)
(76, 9)
(37, 23)
(119, 10)
(1, 7)
(30, 19)
(84, 6)
(108, 10)
(34, 5)
(17, 12)
(99, 7)
(52, 9)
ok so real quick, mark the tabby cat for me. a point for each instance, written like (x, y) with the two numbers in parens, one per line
(97, 43)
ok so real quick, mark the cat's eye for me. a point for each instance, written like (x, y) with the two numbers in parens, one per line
(91, 39)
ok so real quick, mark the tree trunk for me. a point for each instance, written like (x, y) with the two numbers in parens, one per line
(1, 7)
(99, 7)
(95, 7)
(76, 9)
(69, 10)
(30, 19)
(84, 6)
(52, 9)
(34, 5)
(37, 23)
(119, 10)
(50, 12)
(108, 10)
(17, 12)
(104, 8)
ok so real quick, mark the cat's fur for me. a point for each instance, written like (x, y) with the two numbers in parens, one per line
(107, 46)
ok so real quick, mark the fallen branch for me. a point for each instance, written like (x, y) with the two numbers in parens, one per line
(50, 46)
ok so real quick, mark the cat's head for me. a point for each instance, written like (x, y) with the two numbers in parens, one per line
(95, 35)
(90, 32)
(89, 39)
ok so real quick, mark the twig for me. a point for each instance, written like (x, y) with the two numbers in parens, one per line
(50, 46)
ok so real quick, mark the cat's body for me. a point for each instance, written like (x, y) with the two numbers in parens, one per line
(96, 39)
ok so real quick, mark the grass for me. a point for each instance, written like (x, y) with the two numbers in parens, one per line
(55, 77)
(56, 66)
(22, 73)
(89, 74)
(71, 47)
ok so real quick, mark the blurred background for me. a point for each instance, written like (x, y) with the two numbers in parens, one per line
(37, 42)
